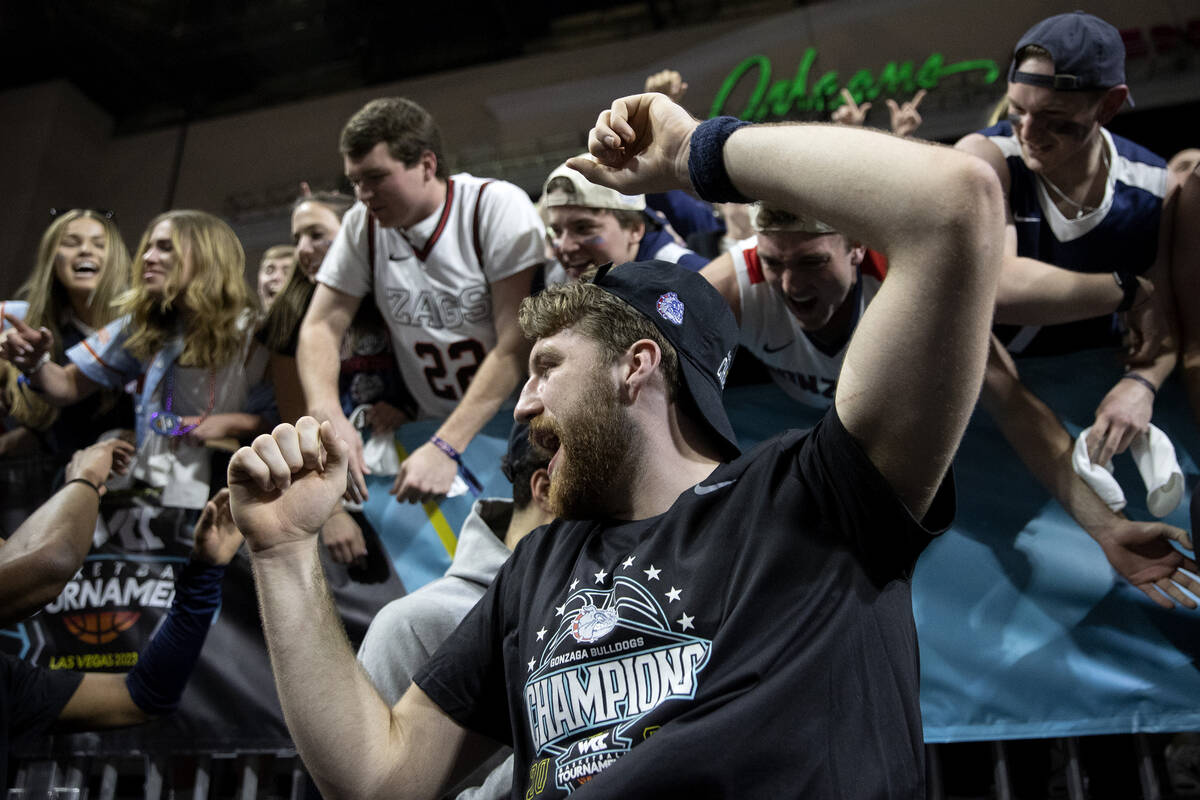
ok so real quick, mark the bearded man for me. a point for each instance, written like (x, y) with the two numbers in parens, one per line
(699, 622)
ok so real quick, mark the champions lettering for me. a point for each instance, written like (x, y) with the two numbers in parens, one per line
(594, 695)
(126, 592)
(779, 99)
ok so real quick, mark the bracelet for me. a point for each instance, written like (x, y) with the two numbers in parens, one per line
(706, 161)
(472, 482)
(1143, 380)
(84, 481)
(1128, 284)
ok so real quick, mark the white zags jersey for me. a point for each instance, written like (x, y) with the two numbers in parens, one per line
(432, 282)
(772, 334)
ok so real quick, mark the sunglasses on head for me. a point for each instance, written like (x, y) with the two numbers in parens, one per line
(103, 212)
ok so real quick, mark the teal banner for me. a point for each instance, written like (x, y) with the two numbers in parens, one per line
(1025, 630)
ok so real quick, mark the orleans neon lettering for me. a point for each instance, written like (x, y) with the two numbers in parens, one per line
(778, 99)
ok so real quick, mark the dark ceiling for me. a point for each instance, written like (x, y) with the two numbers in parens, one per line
(151, 63)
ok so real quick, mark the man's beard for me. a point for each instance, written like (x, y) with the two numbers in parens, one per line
(596, 441)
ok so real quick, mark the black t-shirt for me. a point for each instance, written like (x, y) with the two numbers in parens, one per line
(31, 698)
(756, 640)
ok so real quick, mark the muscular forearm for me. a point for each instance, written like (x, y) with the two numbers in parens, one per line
(42, 555)
(341, 726)
(499, 374)
(1032, 292)
(318, 364)
(1045, 448)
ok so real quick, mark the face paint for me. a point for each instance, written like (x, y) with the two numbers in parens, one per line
(1059, 127)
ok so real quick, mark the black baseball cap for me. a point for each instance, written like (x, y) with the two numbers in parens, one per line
(696, 320)
(1088, 53)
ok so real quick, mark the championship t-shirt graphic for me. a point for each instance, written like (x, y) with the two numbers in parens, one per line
(617, 648)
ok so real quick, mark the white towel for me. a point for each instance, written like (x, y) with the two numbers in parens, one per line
(1155, 458)
(380, 456)
(1098, 477)
(379, 451)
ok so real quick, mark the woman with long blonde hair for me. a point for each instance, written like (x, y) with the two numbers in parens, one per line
(185, 335)
(81, 264)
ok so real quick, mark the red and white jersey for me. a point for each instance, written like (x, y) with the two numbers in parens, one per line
(432, 281)
(769, 330)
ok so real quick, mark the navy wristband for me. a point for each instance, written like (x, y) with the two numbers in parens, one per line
(1143, 380)
(469, 477)
(706, 161)
(157, 681)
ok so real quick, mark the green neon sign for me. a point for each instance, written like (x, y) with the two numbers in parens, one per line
(774, 100)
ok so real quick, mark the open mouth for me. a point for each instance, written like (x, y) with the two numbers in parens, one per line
(85, 268)
(803, 304)
(542, 435)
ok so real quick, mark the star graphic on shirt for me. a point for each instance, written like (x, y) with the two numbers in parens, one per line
(574, 583)
(561, 610)
(652, 573)
(600, 576)
(532, 661)
(627, 563)
(685, 622)
(541, 634)
(673, 595)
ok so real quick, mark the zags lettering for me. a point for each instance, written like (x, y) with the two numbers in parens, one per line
(439, 310)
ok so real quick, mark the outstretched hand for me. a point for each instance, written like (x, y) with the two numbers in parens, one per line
(97, 463)
(287, 483)
(215, 539)
(427, 474)
(850, 112)
(1124, 413)
(24, 346)
(1142, 553)
(640, 144)
(905, 118)
(344, 539)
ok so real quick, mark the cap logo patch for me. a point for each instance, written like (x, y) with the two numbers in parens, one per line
(670, 308)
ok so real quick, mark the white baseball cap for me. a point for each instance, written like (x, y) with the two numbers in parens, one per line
(587, 194)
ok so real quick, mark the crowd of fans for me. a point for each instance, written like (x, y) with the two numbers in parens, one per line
(410, 301)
